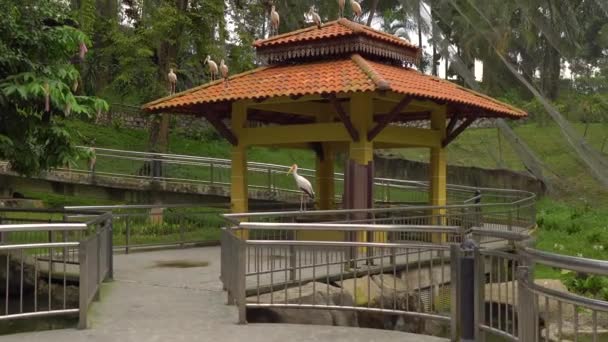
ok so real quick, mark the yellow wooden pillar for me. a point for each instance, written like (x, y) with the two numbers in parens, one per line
(359, 185)
(438, 169)
(238, 178)
(325, 195)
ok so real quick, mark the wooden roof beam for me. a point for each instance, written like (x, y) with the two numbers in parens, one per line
(224, 131)
(344, 118)
(456, 131)
(452, 124)
(372, 133)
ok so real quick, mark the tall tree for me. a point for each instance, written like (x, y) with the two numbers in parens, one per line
(38, 47)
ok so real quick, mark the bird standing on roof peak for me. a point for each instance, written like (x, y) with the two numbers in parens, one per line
(356, 10)
(224, 70)
(303, 184)
(172, 77)
(213, 69)
(275, 20)
(341, 4)
(315, 16)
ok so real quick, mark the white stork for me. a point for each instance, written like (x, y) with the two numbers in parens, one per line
(315, 17)
(303, 184)
(356, 9)
(172, 81)
(224, 70)
(275, 20)
(213, 69)
(341, 4)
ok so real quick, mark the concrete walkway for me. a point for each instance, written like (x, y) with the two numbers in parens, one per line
(152, 302)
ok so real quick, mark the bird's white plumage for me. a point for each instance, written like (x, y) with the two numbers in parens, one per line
(303, 184)
(356, 7)
(223, 69)
(172, 76)
(315, 17)
(172, 81)
(275, 20)
(213, 69)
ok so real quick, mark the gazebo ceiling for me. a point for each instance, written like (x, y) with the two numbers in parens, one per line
(332, 77)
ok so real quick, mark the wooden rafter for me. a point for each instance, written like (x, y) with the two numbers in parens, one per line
(452, 124)
(388, 118)
(224, 131)
(344, 118)
(456, 131)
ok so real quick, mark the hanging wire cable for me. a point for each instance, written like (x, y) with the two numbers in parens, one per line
(531, 162)
(594, 161)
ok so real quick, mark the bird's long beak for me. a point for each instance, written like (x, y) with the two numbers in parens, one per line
(290, 170)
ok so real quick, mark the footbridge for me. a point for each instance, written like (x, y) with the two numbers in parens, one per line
(143, 177)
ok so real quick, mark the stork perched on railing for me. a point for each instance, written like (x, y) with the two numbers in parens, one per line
(303, 184)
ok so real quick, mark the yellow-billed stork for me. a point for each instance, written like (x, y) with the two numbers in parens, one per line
(303, 184)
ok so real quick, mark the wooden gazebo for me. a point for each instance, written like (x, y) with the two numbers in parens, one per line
(343, 87)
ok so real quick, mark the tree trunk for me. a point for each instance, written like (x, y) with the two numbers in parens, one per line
(167, 57)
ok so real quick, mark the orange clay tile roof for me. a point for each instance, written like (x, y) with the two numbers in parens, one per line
(354, 74)
(333, 29)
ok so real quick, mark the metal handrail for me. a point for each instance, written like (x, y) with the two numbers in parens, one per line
(38, 245)
(233, 217)
(577, 264)
(348, 227)
(567, 297)
(267, 171)
(425, 246)
(51, 227)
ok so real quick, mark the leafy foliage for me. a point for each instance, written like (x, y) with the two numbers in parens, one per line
(38, 44)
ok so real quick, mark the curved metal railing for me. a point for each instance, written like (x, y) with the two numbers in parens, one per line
(40, 263)
(408, 270)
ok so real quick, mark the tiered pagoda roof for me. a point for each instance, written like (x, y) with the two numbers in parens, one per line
(340, 58)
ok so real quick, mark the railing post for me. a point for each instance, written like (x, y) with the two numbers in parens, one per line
(455, 322)
(211, 166)
(181, 235)
(292, 262)
(241, 296)
(479, 287)
(128, 234)
(51, 261)
(526, 313)
(467, 298)
(83, 286)
(99, 278)
(269, 181)
(110, 248)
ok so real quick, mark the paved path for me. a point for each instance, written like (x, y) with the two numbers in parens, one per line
(151, 303)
